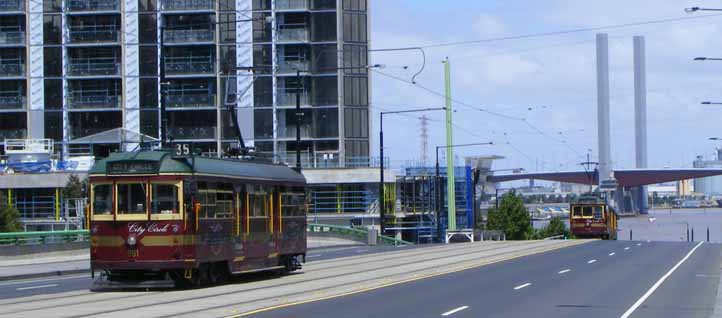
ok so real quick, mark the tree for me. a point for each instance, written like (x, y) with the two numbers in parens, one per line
(9, 216)
(555, 227)
(511, 217)
(75, 188)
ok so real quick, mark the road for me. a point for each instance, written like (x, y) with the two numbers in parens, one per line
(599, 279)
(60, 284)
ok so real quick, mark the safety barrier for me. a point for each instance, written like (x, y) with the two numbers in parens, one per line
(32, 238)
(355, 233)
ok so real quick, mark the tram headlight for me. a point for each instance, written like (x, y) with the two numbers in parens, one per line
(132, 240)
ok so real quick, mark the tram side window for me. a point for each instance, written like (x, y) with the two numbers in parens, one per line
(103, 199)
(577, 212)
(258, 215)
(132, 198)
(587, 211)
(216, 204)
(597, 212)
(292, 204)
(164, 199)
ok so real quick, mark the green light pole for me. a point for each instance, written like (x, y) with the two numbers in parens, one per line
(450, 181)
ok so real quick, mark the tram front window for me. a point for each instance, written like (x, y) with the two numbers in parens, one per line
(131, 198)
(598, 212)
(164, 199)
(587, 212)
(577, 212)
(102, 199)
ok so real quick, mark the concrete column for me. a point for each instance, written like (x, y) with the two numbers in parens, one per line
(640, 116)
(605, 160)
(244, 78)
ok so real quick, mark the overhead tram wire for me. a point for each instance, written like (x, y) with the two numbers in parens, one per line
(561, 32)
(508, 117)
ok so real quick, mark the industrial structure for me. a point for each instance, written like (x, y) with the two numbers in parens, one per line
(94, 76)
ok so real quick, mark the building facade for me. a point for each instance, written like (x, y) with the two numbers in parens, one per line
(94, 75)
(709, 185)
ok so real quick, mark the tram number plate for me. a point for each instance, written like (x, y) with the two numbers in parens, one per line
(182, 150)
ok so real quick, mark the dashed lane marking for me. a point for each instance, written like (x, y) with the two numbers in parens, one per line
(612, 254)
(36, 287)
(639, 244)
(564, 271)
(522, 286)
(455, 310)
(591, 261)
(626, 248)
(19, 282)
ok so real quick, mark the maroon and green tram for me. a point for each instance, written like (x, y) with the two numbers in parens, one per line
(157, 220)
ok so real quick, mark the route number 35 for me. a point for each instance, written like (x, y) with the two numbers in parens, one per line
(182, 150)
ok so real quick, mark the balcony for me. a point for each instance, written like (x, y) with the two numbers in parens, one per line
(93, 99)
(190, 99)
(93, 67)
(12, 37)
(11, 6)
(94, 34)
(10, 69)
(189, 65)
(289, 5)
(190, 132)
(292, 35)
(288, 67)
(92, 5)
(11, 101)
(13, 134)
(188, 36)
(187, 5)
(288, 98)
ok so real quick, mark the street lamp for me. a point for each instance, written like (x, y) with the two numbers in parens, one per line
(438, 183)
(711, 103)
(695, 9)
(382, 212)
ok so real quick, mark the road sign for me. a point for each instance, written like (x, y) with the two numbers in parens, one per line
(609, 184)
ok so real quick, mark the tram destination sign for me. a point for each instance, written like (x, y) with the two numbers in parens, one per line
(132, 167)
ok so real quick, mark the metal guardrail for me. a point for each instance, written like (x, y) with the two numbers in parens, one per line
(358, 233)
(30, 238)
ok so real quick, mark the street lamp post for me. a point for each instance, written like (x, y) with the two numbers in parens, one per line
(439, 197)
(382, 205)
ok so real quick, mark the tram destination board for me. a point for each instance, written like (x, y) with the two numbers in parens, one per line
(132, 167)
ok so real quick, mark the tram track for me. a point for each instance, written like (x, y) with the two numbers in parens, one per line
(373, 270)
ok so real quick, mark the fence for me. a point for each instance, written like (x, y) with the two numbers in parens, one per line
(31, 238)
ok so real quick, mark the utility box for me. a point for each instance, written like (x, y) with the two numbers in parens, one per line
(372, 238)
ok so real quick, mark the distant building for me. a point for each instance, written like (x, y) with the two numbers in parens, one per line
(709, 185)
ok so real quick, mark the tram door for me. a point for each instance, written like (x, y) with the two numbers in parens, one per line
(258, 237)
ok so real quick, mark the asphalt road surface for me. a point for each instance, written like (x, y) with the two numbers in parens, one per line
(60, 284)
(599, 279)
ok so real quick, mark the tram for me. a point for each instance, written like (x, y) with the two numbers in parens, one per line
(591, 217)
(161, 220)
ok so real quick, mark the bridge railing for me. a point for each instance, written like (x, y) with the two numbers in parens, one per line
(357, 233)
(31, 238)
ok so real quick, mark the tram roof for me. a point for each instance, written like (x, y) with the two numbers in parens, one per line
(162, 162)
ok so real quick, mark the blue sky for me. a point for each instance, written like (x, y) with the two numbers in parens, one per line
(550, 81)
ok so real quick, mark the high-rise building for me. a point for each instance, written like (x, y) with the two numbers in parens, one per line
(87, 74)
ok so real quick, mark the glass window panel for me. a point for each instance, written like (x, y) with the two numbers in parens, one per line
(164, 199)
(149, 122)
(228, 59)
(323, 27)
(53, 93)
(227, 26)
(53, 125)
(324, 4)
(227, 5)
(263, 123)
(53, 66)
(148, 25)
(52, 6)
(131, 198)
(51, 29)
(325, 122)
(148, 93)
(147, 5)
(148, 60)
(102, 199)
(261, 5)
(325, 91)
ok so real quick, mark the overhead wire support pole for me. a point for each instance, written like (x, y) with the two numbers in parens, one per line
(450, 180)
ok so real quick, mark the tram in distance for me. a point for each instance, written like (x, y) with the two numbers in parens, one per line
(158, 220)
(591, 217)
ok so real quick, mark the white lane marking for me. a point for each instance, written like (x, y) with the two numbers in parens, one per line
(564, 271)
(363, 250)
(36, 287)
(314, 255)
(522, 286)
(591, 261)
(639, 244)
(612, 254)
(42, 280)
(626, 248)
(453, 311)
(658, 283)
